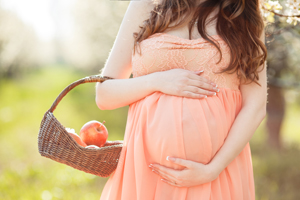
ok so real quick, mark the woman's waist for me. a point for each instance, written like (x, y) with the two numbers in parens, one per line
(159, 100)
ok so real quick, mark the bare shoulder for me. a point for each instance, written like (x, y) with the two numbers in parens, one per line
(118, 64)
(141, 9)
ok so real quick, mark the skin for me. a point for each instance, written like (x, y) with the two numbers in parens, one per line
(123, 91)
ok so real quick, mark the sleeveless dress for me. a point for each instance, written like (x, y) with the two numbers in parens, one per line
(162, 125)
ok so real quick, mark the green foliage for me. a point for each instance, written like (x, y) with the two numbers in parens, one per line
(27, 175)
(23, 102)
(277, 174)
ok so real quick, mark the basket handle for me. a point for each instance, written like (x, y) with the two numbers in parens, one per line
(88, 79)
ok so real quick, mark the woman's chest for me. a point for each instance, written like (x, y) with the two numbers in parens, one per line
(161, 52)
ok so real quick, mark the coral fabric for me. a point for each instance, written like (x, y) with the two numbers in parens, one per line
(162, 125)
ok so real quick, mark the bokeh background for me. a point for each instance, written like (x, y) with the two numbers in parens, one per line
(47, 44)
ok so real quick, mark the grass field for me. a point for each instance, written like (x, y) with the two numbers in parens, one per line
(26, 175)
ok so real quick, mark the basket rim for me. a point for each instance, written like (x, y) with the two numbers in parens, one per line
(52, 131)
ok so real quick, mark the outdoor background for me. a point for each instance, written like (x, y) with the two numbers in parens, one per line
(47, 44)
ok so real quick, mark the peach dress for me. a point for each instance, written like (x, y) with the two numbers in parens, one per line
(162, 125)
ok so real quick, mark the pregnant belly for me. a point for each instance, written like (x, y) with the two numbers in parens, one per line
(192, 129)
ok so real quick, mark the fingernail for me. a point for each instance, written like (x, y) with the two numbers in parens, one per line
(205, 96)
(150, 165)
(215, 93)
(198, 71)
(170, 159)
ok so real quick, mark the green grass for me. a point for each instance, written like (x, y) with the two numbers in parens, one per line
(24, 173)
(27, 175)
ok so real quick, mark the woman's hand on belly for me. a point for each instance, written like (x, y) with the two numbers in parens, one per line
(194, 174)
(185, 83)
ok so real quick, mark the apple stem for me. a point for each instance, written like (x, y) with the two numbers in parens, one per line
(103, 121)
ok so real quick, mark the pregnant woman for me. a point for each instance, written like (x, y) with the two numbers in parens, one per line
(198, 93)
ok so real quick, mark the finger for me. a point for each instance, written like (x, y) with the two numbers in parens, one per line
(170, 182)
(201, 91)
(163, 175)
(200, 83)
(201, 78)
(166, 171)
(183, 162)
(199, 71)
(192, 95)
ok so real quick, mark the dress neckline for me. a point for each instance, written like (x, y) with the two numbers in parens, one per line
(182, 39)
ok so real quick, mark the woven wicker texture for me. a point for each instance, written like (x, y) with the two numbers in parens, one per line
(54, 142)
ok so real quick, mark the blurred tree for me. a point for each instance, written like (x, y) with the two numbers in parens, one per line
(282, 74)
(97, 24)
(56, 13)
(18, 44)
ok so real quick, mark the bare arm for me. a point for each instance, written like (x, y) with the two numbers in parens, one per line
(251, 115)
(118, 64)
(123, 91)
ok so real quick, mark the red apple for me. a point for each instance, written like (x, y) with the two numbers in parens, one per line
(94, 133)
(75, 137)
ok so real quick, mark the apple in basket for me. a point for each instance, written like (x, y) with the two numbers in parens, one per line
(75, 137)
(92, 147)
(94, 133)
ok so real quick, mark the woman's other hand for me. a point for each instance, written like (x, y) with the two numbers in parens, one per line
(185, 83)
(194, 174)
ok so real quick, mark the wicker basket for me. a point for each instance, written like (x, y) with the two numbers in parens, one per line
(54, 142)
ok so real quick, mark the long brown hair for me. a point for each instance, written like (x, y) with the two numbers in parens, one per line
(239, 24)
